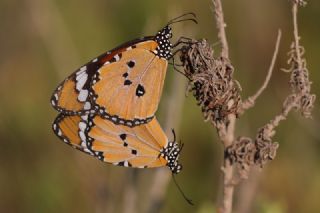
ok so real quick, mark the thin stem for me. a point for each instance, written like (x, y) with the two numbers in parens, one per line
(252, 99)
(296, 34)
(228, 186)
(226, 132)
(221, 25)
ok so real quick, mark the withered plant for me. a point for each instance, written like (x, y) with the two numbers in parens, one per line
(218, 94)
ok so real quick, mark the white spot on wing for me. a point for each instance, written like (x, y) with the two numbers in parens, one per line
(82, 136)
(87, 105)
(59, 132)
(117, 57)
(83, 95)
(84, 68)
(82, 126)
(81, 82)
(84, 117)
(80, 74)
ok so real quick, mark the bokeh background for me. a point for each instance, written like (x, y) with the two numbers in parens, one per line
(43, 41)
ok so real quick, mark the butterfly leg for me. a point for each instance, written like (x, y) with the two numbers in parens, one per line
(178, 70)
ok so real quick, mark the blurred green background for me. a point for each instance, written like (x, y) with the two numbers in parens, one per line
(43, 41)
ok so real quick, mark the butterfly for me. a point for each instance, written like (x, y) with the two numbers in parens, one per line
(123, 85)
(143, 146)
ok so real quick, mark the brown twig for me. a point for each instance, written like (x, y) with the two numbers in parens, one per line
(221, 25)
(226, 132)
(250, 102)
(296, 34)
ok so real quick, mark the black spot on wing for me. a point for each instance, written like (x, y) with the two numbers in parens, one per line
(131, 64)
(140, 91)
(123, 136)
(127, 82)
(134, 152)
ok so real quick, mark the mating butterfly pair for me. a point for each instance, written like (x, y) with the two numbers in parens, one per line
(107, 107)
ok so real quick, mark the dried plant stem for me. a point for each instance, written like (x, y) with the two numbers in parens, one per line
(228, 186)
(252, 99)
(296, 35)
(226, 132)
(217, 93)
(221, 25)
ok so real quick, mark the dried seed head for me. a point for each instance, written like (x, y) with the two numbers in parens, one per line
(265, 149)
(245, 152)
(210, 81)
(299, 83)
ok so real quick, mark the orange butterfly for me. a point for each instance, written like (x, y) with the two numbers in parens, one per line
(123, 85)
(143, 146)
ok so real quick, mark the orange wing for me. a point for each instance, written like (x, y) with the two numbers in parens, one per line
(139, 146)
(128, 90)
(123, 85)
(68, 128)
(72, 95)
(143, 146)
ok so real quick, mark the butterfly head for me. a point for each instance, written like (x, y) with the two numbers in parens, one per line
(164, 45)
(171, 153)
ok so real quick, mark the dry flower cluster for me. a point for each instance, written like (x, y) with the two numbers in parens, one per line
(211, 81)
(218, 94)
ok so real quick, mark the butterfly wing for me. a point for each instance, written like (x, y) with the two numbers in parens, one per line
(137, 147)
(68, 128)
(127, 89)
(72, 95)
(124, 84)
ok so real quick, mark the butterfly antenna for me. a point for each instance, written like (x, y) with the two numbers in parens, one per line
(174, 135)
(181, 146)
(183, 18)
(180, 190)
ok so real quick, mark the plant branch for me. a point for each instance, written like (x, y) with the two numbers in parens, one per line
(225, 130)
(250, 102)
(296, 34)
(221, 25)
